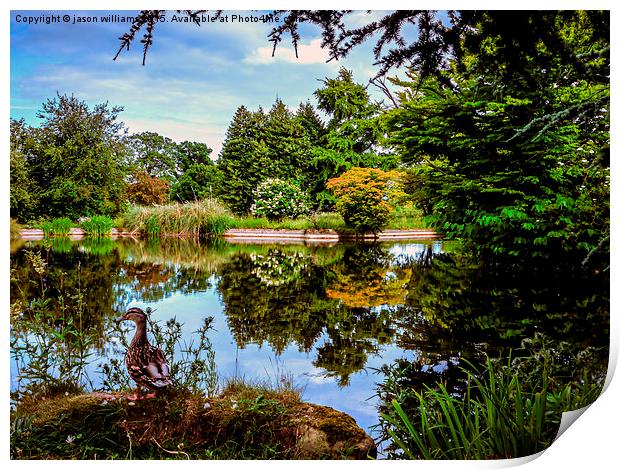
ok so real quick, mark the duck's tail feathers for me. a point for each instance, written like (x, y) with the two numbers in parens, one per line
(161, 383)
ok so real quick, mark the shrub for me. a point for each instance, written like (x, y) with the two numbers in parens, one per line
(147, 190)
(364, 197)
(16, 229)
(276, 199)
(97, 225)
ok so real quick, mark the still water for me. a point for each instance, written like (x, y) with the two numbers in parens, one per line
(332, 318)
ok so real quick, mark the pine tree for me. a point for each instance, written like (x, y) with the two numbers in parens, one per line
(311, 123)
(244, 160)
(288, 144)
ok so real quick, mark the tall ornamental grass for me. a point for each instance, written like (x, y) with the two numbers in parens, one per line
(193, 219)
(97, 225)
(16, 229)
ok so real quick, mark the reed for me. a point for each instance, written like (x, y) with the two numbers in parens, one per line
(197, 219)
(97, 226)
(498, 416)
(59, 227)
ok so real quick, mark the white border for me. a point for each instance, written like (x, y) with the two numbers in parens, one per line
(591, 442)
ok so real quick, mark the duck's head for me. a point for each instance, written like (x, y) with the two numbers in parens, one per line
(134, 314)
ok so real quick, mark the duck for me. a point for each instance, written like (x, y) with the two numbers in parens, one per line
(146, 364)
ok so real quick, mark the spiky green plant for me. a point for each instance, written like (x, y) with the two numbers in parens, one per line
(59, 227)
(498, 416)
(97, 226)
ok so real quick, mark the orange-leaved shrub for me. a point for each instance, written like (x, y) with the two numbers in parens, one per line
(365, 197)
(147, 190)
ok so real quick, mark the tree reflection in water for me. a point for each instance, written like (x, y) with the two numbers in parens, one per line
(339, 304)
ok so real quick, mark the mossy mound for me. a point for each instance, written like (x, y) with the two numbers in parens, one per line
(243, 422)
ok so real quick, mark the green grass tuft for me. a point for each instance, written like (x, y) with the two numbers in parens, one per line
(97, 225)
(59, 227)
(499, 415)
(16, 229)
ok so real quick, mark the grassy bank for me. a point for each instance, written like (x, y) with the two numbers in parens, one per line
(401, 219)
(243, 422)
(208, 218)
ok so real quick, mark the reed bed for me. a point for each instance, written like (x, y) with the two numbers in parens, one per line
(198, 219)
(59, 227)
(97, 225)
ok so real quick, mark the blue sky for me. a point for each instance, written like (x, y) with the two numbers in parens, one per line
(194, 78)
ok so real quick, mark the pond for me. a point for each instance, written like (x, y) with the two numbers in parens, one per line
(334, 319)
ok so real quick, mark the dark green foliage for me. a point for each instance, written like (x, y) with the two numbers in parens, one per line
(243, 160)
(154, 154)
(74, 162)
(199, 181)
(192, 153)
(186, 169)
(161, 157)
(23, 196)
(352, 135)
(514, 153)
(287, 143)
(312, 124)
(298, 147)
(260, 146)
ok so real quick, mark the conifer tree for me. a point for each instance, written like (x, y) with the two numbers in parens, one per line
(353, 133)
(513, 154)
(244, 160)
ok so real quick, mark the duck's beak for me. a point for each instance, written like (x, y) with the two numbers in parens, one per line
(118, 320)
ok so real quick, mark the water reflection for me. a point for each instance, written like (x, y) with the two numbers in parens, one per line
(330, 315)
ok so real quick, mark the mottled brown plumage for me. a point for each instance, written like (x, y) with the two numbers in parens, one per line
(145, 363)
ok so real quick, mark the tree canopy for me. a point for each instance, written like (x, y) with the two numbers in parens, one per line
(72, 165)
(514, 158)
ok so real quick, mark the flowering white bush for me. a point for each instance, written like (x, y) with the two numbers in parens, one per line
(275, 199)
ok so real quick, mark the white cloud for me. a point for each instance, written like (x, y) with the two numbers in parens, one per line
(311, 53)
(197, 131)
